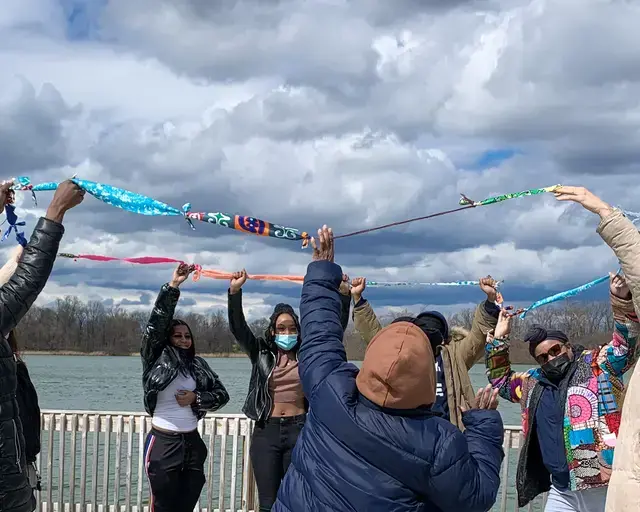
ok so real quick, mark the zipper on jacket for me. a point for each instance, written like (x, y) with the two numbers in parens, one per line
(17, 443)
(267, 389)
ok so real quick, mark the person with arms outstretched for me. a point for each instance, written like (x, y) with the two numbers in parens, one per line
(16, 297)
(371, 442)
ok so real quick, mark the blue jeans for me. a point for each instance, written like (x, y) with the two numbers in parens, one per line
(589, 500)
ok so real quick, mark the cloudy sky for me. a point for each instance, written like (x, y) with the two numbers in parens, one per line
(354, 113)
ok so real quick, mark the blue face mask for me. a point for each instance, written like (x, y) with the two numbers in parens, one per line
(286, 341)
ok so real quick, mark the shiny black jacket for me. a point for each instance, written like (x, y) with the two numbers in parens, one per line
(160, 361)
(16, 297)
(262, 354)
(29, 412)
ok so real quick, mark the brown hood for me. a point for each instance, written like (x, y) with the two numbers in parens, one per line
(398, 370)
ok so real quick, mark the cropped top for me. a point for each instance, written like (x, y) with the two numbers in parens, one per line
(285, 385)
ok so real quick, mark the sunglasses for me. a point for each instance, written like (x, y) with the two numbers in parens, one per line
(554, 351)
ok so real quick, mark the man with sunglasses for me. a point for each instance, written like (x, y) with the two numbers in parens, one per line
(571, 406)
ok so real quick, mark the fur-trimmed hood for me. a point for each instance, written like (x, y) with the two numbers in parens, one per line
(458, 334)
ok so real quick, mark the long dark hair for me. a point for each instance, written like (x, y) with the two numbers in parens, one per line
(269, 336)
(191, 351)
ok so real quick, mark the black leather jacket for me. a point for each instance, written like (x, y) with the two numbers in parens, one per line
(29, 412)
(262, 354)
(160, 361)
(16, 297)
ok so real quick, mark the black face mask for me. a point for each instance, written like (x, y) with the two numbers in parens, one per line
(557, 368)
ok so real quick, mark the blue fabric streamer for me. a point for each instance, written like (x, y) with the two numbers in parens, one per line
(564, 295)
(402, 283)
(118, 197)
(12, 220)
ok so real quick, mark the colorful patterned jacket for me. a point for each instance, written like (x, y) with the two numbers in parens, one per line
(593, 406)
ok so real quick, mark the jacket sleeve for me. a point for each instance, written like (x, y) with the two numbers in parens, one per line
(29, 410)
(156, 333)
(213, 399)
(365, 320)
(620, 355)
(239, 328)
(499, 371)
(466, 469)
(345, 301)
(321, 351)
(31, 275)
(485, 319)
(622, 236)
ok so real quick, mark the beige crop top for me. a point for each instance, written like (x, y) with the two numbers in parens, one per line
(285, 385)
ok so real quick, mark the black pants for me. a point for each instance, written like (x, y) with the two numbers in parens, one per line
(175, 468)
(271, 447)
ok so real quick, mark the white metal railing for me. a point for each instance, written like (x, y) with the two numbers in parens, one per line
(98, 464)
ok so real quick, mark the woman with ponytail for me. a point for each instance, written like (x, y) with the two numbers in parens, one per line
(179, 389)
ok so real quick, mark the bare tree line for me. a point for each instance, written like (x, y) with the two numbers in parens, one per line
(91, 327)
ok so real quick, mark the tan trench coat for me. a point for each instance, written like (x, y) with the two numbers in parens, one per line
(458, 356)
(624, 487)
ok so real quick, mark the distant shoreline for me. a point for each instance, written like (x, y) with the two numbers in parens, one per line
(133, 354)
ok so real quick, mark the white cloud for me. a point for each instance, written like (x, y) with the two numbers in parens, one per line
(351, 113)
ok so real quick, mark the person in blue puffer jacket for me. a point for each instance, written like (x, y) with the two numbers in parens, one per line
(370, 442)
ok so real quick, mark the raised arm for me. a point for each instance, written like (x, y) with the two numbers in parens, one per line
(237, 323)
(322, 350)
(621, 353)
(364, 318)
(34, 268)
(501, 376)
(623, 237)
(471, 347)
(156, 333)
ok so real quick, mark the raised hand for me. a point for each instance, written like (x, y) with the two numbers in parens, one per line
(67, 196)
(489, 286)
(358, 285)
(237, 281)
(181, 274)
(619, 287)
(587, 199)
(323, 248)
(503, 327)
(6, 194)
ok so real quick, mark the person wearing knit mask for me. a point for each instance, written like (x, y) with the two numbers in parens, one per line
(456, 350)
(371, 442)
(571, 406)
(275, 400)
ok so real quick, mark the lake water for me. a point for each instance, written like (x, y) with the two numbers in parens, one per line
(101, 383)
